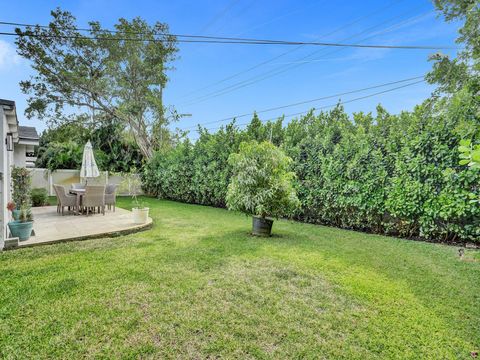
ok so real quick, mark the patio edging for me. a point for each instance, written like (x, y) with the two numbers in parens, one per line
(110, 234)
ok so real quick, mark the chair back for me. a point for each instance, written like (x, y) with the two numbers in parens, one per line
(60, 192)
(94, 195)
(111, 189)
(55, 189)
(56, 193)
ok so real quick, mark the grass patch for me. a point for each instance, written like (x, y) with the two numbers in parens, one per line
(197, 285)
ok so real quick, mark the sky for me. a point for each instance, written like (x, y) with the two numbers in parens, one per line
(211, 82)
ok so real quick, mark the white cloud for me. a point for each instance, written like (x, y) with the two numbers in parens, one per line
(8, 55)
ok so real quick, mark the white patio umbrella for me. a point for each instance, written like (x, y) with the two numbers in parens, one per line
(89, 165)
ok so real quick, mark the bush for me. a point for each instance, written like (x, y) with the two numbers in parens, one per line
(261, 183)
(387, 174)
(39, 197)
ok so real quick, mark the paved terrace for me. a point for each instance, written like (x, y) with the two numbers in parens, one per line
(51, 227)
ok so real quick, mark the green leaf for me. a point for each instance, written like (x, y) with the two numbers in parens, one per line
(464, 162)
(465, 142)
(476, 156)
(463, 149)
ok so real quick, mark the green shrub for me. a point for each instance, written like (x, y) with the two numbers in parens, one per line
(262, 181)
(387, 174)
(39, 197)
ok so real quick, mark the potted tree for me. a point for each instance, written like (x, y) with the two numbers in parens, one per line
(21, 183)
(140, 211)
(261, 185)
(132, 185)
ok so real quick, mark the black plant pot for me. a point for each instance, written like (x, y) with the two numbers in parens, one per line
(261, 226)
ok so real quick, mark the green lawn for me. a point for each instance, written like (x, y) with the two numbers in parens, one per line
(197, 285)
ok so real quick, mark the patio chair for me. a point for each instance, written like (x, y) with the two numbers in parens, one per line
(64, 199)
(58, 198)
(94, 198)
(110, 196)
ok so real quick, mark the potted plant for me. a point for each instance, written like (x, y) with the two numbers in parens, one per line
(140, 211)
(132, 185)
(261, 185)
(22, 228)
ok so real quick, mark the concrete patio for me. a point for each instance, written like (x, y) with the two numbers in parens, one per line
(51, 227)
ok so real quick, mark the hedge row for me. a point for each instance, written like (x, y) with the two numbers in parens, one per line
(387, 174)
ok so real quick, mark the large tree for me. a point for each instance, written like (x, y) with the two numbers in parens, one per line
(121, 73)
(463, 71)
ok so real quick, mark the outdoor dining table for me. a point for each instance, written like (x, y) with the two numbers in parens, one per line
(79, 193)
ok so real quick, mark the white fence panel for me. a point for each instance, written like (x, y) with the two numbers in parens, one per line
(123, 185)
(43, 178)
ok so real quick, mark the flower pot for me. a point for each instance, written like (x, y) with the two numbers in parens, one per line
(140, 215)
(261, 226)
(19, 229)
(16, 214)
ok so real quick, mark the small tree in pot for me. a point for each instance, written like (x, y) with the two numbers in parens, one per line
(21, 183)
(261, 185)
(132, 185)
(22, 226)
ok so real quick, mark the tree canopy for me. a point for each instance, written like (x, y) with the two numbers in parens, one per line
(61, 147)
(119, 73)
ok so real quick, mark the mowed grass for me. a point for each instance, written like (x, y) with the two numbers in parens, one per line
(197, 285)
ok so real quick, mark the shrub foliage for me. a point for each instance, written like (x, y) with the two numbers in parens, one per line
(39, 197)
(387, 174)
(407, 174)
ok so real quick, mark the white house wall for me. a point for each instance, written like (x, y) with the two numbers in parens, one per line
(19, 155)
(4, 177)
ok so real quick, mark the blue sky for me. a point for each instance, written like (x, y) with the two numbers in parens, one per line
(296, 75)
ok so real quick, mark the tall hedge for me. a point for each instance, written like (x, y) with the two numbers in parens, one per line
(387, 174)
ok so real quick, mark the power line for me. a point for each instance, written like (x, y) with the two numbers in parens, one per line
(327, 106)
(218, 40)
(246, 42)
(140, 32)
(275, 72)
(292, 50)
(283, 69)
(308, 101)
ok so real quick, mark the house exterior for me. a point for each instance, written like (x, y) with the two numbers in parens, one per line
(24, 150)
(17, 145)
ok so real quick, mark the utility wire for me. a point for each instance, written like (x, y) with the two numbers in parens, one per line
(242, 42)
(140, 32)
(283, 69)
(307, 101)
(325, 106)
(214, 39)
(291, 50)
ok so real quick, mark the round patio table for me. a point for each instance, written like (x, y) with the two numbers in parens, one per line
(79, 193)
